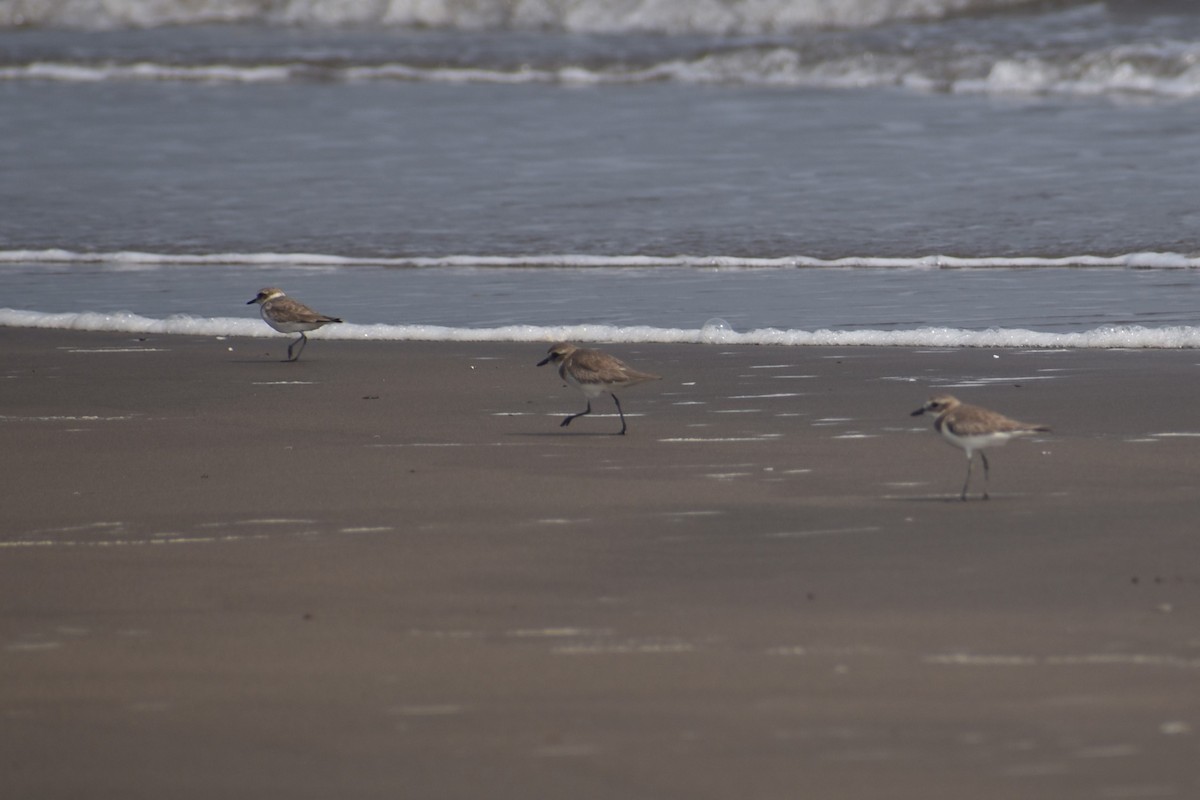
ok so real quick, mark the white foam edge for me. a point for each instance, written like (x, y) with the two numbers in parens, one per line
(1113, 71)
(133, 258)
(599, 16)
(1130, 336)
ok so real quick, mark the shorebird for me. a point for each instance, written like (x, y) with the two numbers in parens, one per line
(289, 316)
(594, 373)
(973, 428)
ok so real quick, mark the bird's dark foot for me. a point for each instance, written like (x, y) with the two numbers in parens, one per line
(565, 422)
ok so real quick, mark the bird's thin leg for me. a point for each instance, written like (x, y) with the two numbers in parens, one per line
(621, 413)
(302, 341)
(967, 482)
(983, 455)
(567, 421)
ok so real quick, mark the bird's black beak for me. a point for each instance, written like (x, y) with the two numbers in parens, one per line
(545, 361)
(251, 301)
(918, 412)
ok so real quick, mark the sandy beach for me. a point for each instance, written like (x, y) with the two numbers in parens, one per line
(386, 571)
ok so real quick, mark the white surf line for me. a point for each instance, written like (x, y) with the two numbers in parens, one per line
(1176, 434)
(931, 261)
(765, 396)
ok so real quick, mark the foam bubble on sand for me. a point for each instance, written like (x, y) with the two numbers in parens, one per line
(1124, 336)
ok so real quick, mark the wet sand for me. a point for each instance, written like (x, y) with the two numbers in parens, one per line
(386, 571)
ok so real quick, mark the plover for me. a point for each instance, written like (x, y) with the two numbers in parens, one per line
(594, 373)
(973, 428)
(289, 316)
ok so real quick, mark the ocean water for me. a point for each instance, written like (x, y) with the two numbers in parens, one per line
(943, 172)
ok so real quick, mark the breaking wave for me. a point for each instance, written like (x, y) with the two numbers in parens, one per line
(131, 259)
(1150, 71)
(593, 16)
(715, 332)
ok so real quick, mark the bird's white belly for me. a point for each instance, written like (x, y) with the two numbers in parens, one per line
(293, 327)
(977, 441)
(589, 390)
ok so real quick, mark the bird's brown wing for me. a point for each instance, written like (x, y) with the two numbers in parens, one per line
(975, 421)
(593, 366)
(287, 309)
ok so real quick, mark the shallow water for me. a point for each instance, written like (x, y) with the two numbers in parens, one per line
(621, 163)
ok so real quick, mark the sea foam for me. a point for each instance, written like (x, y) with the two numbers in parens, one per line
(595, 16)
(1143, 260)
(1125, 336)
(1115, 71)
